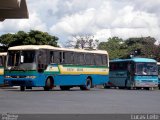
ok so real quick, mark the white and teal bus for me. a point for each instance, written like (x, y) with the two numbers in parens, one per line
(2, 64)
(46, 66)
(133, 73)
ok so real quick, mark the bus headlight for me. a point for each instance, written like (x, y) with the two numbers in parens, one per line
(6, 82)
(7, 76)
(32, 77)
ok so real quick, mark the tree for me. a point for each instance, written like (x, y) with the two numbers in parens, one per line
(5, 41)
(82, 42)
(115, 47)
(145, 46)
(42, 38)
(34, 37)
(142, 47)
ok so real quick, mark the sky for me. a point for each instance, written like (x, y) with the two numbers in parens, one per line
(99, 18)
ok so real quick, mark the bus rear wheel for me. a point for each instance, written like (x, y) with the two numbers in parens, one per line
(87, 86)
(22, 88)
(64, 87)
(49, 84)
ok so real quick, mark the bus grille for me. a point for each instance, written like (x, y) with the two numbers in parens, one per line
(18, 76)
(16, 82)
(148, 81)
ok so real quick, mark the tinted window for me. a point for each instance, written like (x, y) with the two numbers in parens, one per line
(98, 59)
(79, 58)
(104, 59)
(55, 56)
(89, 59)
(118, 66)
(68, 57)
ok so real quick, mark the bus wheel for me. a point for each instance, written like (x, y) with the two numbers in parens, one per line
(121, 87)
(64, 87)
(49, 84)
(87, 86)
(22, 88)
(147, 88)
(106, 87)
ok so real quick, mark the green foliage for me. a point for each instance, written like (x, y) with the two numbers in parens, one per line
(33, 37)
(115, 47)
(142, 47)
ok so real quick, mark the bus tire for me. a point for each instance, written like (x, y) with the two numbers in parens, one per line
(64, 87)
(147, 88)
(22, 88)
(88, 85)
(106, 87)
(48, 84)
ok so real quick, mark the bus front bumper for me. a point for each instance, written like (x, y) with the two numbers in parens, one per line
(19, 82)
(141, 84)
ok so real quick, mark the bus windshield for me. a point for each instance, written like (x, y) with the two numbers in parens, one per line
(146, 69)
(21, 60)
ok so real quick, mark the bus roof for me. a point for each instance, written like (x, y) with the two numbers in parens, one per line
(37, 47)
(134, 60)
(3, 53)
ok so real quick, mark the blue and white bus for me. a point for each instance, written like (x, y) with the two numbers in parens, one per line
(2, 64)
(133, 73)
(46, 66)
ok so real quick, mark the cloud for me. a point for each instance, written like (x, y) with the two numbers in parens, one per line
(101, 18)
(10, 26)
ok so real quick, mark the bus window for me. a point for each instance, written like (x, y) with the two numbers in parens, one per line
(146, 69)
(68, 57)
(119, 66)
(42, 60)
(104, 59)
(57, 57)
(14, 58)
(87, 59)
(79, 58)
(98, 60)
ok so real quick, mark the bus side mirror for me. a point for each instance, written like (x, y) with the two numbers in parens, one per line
(22, 59)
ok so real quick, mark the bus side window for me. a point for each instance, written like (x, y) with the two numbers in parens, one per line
(68, 57)
(104, 60)
(81, 59)
(56, 57)
(98, 59)
(112, 67)
(42, 60)
(87, 59)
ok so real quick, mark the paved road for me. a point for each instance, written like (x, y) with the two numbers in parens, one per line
(76, 101)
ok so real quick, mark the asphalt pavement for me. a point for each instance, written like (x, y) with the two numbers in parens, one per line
(75, 101)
